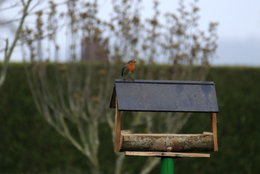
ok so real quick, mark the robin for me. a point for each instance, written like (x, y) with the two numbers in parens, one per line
(128, 69)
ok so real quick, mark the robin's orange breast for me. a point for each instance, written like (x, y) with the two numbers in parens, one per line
(131, 67)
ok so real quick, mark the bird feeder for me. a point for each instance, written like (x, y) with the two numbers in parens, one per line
(165, 96)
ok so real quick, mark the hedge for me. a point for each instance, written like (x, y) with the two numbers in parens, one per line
(30, 145)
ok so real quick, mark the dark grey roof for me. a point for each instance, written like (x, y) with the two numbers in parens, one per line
(164, 96)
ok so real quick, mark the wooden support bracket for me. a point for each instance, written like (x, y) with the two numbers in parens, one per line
(117, 129)
(214, 130)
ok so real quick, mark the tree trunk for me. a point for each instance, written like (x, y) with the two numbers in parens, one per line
(167, 142)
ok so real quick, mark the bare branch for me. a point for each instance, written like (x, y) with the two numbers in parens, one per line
(149, 165)
(23, 3)
(10, 7)
(9, 50)
(3, 73)
(119, 163)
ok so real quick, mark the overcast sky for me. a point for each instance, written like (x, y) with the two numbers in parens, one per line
(239, 27)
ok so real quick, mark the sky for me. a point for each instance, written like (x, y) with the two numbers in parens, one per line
(239, 30)
(239, 27)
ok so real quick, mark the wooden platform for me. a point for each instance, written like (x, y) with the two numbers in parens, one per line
(166, 154)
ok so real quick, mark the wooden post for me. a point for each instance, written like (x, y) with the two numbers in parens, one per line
(117, 129)
(167, 166)
(214, 130)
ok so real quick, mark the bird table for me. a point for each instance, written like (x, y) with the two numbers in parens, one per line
(165, 96)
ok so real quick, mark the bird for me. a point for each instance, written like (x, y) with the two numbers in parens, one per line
(128, 69)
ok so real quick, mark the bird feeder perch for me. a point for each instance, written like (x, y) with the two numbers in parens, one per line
(165, 96)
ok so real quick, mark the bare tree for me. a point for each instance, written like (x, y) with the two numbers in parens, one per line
(73, 94)
(9, 47)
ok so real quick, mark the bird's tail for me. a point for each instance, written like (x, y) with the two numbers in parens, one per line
(123, 70)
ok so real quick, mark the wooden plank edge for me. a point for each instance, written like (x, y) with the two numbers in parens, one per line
(207, 133)
(129, 133)
(166, 154)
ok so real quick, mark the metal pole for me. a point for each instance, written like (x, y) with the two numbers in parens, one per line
(167, 166)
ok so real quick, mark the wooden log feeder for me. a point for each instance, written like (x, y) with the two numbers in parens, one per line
(165, 96)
